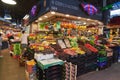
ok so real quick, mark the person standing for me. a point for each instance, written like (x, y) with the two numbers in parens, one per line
(24, 40)
(1, 45)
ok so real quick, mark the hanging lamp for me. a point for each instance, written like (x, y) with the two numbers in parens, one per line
(7, 15)
(11, 2)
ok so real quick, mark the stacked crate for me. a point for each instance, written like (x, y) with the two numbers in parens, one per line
(102, 59)
(52, 70)
(91, 62)
(80, 65)
(109, 57)
(70, 71)
(30, 70)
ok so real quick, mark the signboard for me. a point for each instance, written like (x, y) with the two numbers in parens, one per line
(70, 7)
(114, 13)
(89, 9)
(112, 6)
(66, 7)
(116, 5)
(34, 10)
(39, 9)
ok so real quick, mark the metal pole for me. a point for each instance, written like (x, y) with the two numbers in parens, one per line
(104, 3)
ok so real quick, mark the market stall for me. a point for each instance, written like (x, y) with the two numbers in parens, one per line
(76, 41)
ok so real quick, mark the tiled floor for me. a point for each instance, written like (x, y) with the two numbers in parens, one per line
(10, 69)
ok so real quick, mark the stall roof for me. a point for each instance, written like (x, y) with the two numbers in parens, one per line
(55, 16)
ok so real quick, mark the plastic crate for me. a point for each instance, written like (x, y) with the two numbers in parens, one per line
(102, 59)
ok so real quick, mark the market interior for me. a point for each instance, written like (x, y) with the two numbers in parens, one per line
(59, 40)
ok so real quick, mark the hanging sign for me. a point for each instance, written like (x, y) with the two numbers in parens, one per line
(33, 10)
(116, 5)
(90, 9)
(112, 6)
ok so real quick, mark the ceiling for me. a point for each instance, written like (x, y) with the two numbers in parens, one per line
(23, 7)
(19, 10)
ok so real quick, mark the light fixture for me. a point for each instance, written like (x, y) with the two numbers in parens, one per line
(40, 19)
(84, 23)
(45, 16)
(99, 22)
(52, 12)
(88, 19)
(36, 21)
(12, 2)
(26, 16)
(7, 17)
(79, 17)
(67, 15)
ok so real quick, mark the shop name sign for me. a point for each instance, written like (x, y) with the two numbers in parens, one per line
(64, 5)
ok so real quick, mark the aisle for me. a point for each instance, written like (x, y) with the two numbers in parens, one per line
(112, 73)
(9, 68)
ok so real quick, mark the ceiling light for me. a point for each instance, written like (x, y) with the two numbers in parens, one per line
(52, 12)
(45, 16)
(36, 21)
(26, 16)
(12, 2)
(88, 19)
(99, 23)
(67, 15)
(40, 19)
(79, 17)
(84, 23)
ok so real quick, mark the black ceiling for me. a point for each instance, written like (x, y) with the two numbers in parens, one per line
(23, 7)
(19, 10)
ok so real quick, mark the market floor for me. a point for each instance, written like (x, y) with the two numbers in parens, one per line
(10, 69)
(111, 73)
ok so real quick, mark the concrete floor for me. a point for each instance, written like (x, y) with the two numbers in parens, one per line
(10, 70)
(111, 73)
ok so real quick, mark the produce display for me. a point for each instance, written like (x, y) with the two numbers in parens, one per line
(31, 70)
(17, 48)
(15, 45)
(77, 49)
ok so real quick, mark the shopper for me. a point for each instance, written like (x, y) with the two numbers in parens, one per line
(1, 45)
(24, 40)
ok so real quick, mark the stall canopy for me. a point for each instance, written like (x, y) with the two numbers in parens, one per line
(71, 7)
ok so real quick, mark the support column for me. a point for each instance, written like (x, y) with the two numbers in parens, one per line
(104, 3)
(105, 13)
